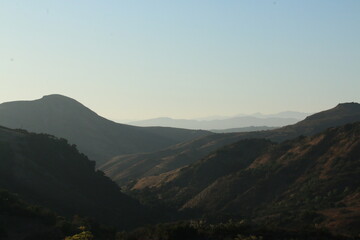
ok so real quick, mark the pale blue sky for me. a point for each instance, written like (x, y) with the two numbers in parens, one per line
(184, 59)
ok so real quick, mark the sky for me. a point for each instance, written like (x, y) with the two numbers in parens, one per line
(139, 59)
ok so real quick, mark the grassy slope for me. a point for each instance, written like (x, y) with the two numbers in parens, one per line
(309, 181)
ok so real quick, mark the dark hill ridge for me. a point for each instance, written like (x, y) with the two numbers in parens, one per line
(182, 184)
(126, 167)
(96, 136)
(342, 114)
(312, 181)
(49, 172)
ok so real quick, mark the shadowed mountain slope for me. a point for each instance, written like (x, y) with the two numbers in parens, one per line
(182, 184)
(49, 172)
(306, 181)
(124, 168)
(96, 136)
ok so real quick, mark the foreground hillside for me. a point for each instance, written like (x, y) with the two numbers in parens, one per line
(305, 182)
(47, 171)
(21, 220)
(125, 168)
(97, 137)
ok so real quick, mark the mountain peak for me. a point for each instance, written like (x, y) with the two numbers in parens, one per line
(96, 136)
(57, 98)
(348, 105)
(64, 104)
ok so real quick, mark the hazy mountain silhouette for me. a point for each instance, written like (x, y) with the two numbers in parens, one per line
(244, 129)
(233, 122)
(96, 136)
(131, 167)
(297, 183)
(285, 114)
(49, 172)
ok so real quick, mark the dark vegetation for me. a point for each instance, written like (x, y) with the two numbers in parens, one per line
(231, 230)
(20, 220)
(47, 171)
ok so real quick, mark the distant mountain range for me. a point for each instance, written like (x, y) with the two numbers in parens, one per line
(97, 137)
(243, 129)
(285, 114)
(241, 121)
(125, 168)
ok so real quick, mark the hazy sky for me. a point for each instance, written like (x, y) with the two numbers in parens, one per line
(139, 59)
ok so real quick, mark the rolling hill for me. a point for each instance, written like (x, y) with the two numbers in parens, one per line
(97, 137)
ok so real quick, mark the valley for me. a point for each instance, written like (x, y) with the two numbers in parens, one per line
(299, 180)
